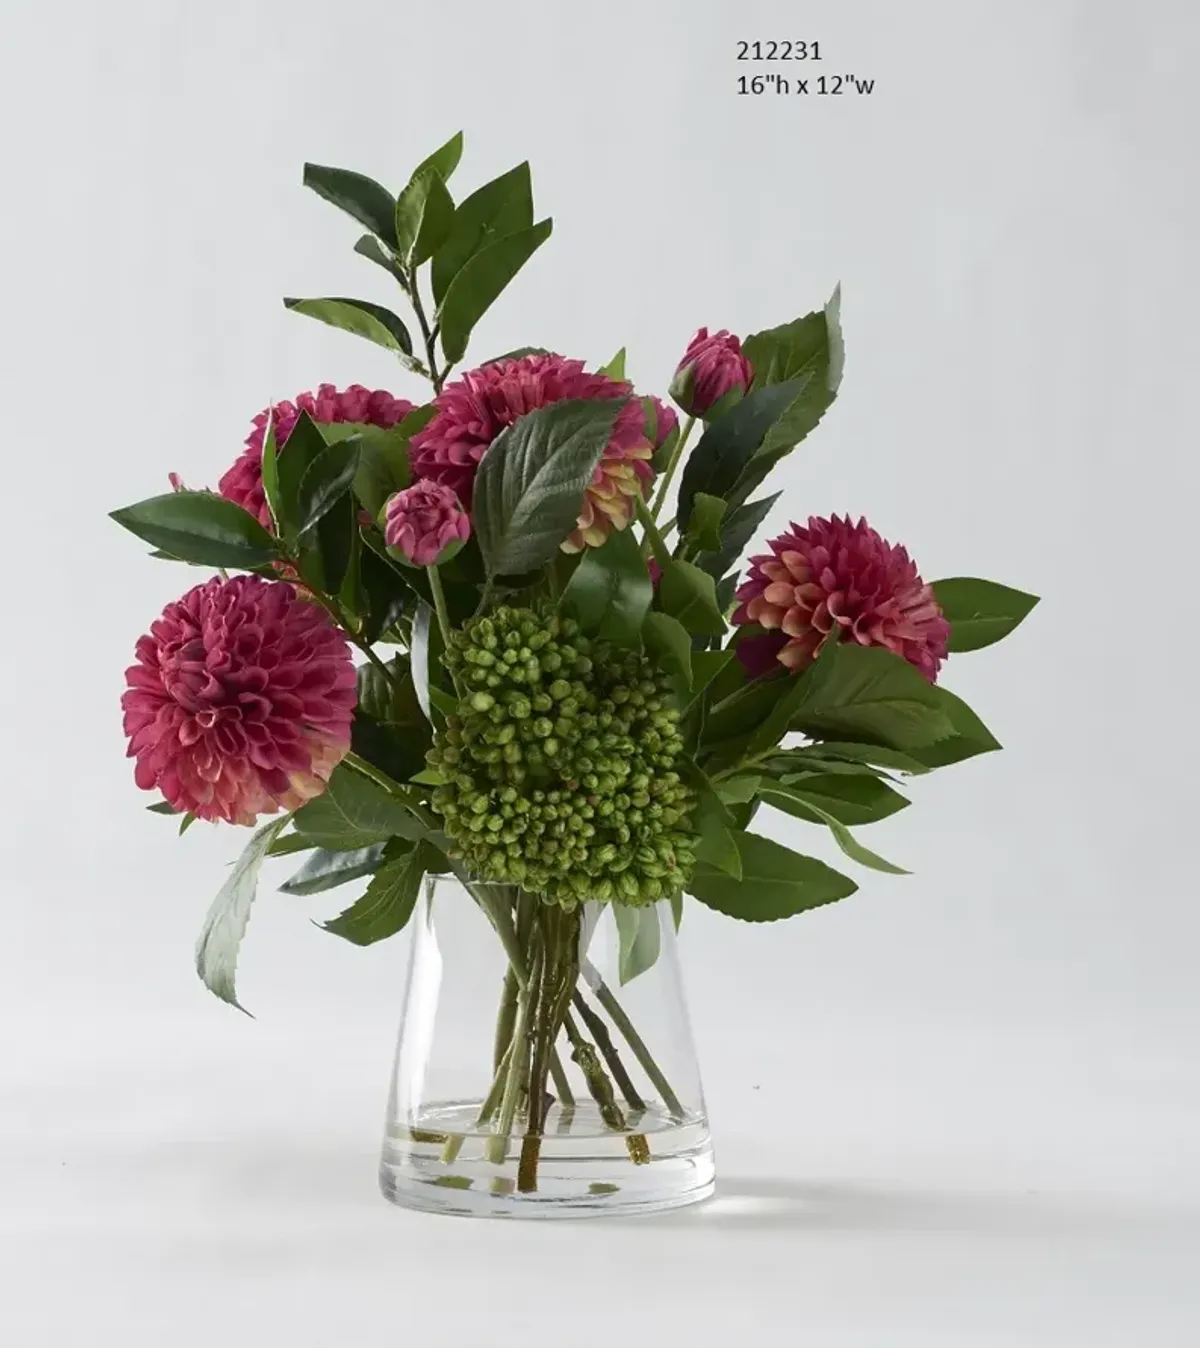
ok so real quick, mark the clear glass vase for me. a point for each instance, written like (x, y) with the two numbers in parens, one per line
(530, 1081)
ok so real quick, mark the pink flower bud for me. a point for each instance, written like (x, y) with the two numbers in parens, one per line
(711, 368)
(426, 523)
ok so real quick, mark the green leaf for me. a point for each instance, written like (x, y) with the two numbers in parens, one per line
(866, 692)
(353, 812)
(815, 756)
(850, 800)
(706, 667)
(225, 925)
(615, 369)
(980, 612)
(610, 590)
(197, 526)
(330, 545)
(304, 445)
(668, 639)
(969, 735)
(776, 882)
(325, 481)
(289, 843)
(359, 196)
(531, 482)
(499, 208)
(444, 160)
(326, 869)
(689, 594)
(738, 715)
(713, 825)
(372, 321)
(638, 939)
(704, 528)
(729, 443)
(737, 529)
(369, 247)
(739, 790)
(479, 284)
(390, 729)
(383, 466)
(162, 807)
(424, 214)
(185, 823)
(390, 898)
(848, 842)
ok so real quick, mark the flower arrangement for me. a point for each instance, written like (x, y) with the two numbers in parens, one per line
(482, 633)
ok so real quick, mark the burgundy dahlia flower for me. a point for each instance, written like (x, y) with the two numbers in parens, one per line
(240, 702)
(665, 420)
(426, 522)
(243, 482)
(711, 367)
(474, 409)
(834, 574)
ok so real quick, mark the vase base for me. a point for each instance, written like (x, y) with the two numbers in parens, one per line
(444, 1163)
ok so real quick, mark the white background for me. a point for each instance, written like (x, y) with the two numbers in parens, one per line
(960, 1108)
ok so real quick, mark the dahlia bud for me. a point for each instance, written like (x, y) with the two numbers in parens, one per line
(426, 523)
(713, 368)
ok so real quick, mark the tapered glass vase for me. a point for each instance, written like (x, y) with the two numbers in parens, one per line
(545, 1065)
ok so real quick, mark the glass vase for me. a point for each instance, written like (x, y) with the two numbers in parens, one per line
(545, 1065)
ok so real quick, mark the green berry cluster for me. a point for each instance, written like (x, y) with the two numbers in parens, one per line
(562, 763)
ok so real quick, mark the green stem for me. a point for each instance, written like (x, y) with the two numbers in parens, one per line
(657, 543)
(608, 1049)
(598, 1084)
(673, 463)
(496, 1148)
(505, 1018)
(616, 1014)
(339, 615)
(442, 611)
(428, 334)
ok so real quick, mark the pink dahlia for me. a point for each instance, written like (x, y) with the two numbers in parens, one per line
(711, 367)
(426, 522)
(835, 575)
(240, 702)
(665, 421)
(474, 409)
(243, 482)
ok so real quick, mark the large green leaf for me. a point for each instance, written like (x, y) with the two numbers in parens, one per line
(359, 196)
(866, 692)
(326, 480)
(610, 590)
(729, 443)
(390, 730)
(198, 526)
(980, 612)
(501, 207)
(668, 641)
(372, 321)
(383, 466)
(531, 481)
(353, 812)
(738, 715)
(304, 445)
(326, 869)
(638, 939)
(714, 826)
(850, 800)
(690, 595)
(969, 735)
(390, 898)
(776, 882)
(704, 527)
(225, 925)
(479, 283)
(424, 214)
(849, 843)
(818, 757)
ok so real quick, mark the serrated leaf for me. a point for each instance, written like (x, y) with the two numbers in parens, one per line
(847, 841)
(531, 481)
(499, 208)
(714, 826)
(730, 441)
(638, 939)
(480, 282)
(776, 882)
(225, 925)
(737, 529)
(866, 692)
(610, 590)
(326, 869)
(199, 527)
(969, 736)
(353, 812)
(980, 612)
(363, 319)
(850, 800)
(690, 595)
(390, 899)
(668, 639)
(356, 194)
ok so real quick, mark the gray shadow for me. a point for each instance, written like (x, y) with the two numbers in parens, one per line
(757, 1203)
